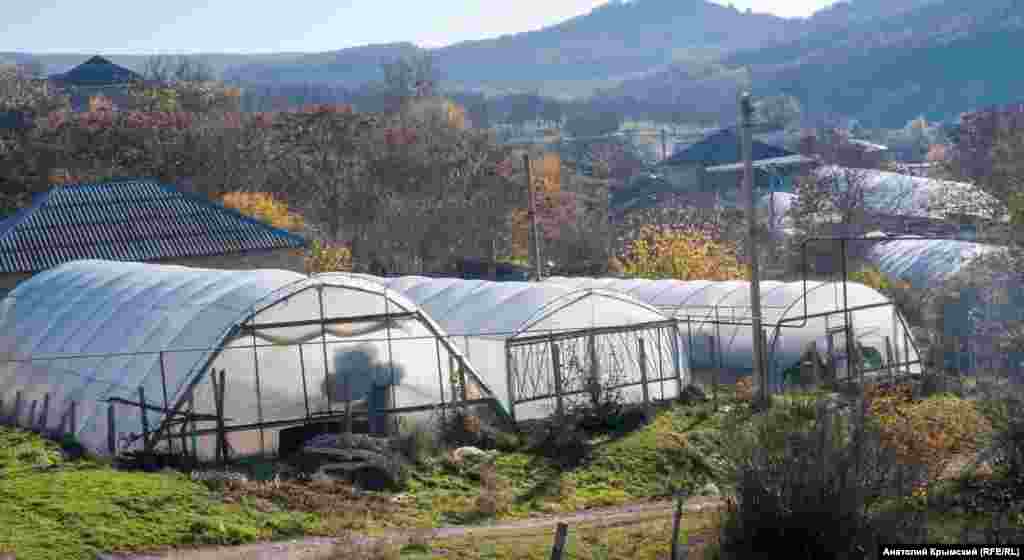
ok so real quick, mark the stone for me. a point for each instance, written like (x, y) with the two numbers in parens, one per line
(710, 490)
(470, 456)
(692, 394)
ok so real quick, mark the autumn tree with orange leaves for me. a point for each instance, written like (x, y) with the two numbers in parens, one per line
(682, 253)
(555, 208)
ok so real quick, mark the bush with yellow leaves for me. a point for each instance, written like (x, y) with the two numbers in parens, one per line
(264, 207)
(682, 254)
(323, 257)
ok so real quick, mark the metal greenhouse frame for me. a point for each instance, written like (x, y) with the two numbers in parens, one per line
(132, 357)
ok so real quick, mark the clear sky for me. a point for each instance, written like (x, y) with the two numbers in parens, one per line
(253, 26)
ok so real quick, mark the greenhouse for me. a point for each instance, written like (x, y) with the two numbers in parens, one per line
(799, 320)
(974, 300)
(540, 346)
(216, 363)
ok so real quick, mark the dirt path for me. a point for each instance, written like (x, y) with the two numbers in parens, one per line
(318, 548)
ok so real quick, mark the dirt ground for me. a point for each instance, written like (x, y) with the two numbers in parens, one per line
(321, 548)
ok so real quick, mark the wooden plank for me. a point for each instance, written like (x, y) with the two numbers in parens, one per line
(558, 549)
(678, 549)
(216, 406)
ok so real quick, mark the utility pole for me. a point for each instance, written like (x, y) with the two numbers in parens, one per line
(532, 210)
(664, 144)
(746, 117)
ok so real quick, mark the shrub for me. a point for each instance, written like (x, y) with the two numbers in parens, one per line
(929, 432)
(564, 443)
(1005, 413)
(464, 428)
(418, 443)
(807, 486)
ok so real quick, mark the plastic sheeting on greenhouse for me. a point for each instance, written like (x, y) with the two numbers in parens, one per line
(508, 329)
(793, 319)
(926, 262)
(293, 348)
(896, 193)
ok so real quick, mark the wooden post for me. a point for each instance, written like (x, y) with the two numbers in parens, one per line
(889, 356)
(218, 446)
(111, 430)
(32, 415)
(713, 356)
(167, 406)
(440, 378)
(305, 388)
(145, 419)
(678, 549)
(44, 419)
(453, 378)
(594, 383)
(17, 408)
(73, 420)
(643, 375)
(765, 370)
(556, 363)
(561, 532)
(222, 434)
(510, 380)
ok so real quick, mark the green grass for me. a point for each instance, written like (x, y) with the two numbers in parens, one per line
(51, 508)
(676, 450)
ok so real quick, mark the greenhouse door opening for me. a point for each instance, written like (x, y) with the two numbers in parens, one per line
(550, 374)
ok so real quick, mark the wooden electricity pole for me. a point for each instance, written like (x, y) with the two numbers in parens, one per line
(532, 210)
(746, 117)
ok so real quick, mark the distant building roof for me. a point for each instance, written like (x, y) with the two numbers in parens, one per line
(131, 220)
(721, 148)
(783, 161)
(97, 71)
(868, 146)
(15, 120)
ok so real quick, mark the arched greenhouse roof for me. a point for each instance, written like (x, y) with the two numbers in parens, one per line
(926, 262)
(710, 306)
(90, 330)
(507, 309)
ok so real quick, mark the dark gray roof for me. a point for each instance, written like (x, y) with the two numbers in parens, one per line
(722, 148)
(97, 71)
(130, 220)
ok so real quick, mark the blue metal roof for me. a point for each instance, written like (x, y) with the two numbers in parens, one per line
(130, 220)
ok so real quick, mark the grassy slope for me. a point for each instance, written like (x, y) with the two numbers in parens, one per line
(50, 508)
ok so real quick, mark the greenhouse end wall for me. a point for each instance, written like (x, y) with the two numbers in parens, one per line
(99, 338)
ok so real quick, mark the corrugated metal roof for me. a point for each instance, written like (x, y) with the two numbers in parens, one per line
(132, 220)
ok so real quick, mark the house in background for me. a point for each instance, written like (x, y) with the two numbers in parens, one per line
(96, 77)
(710, 172)
(771, 175)
(138, 220)
(687, 170)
